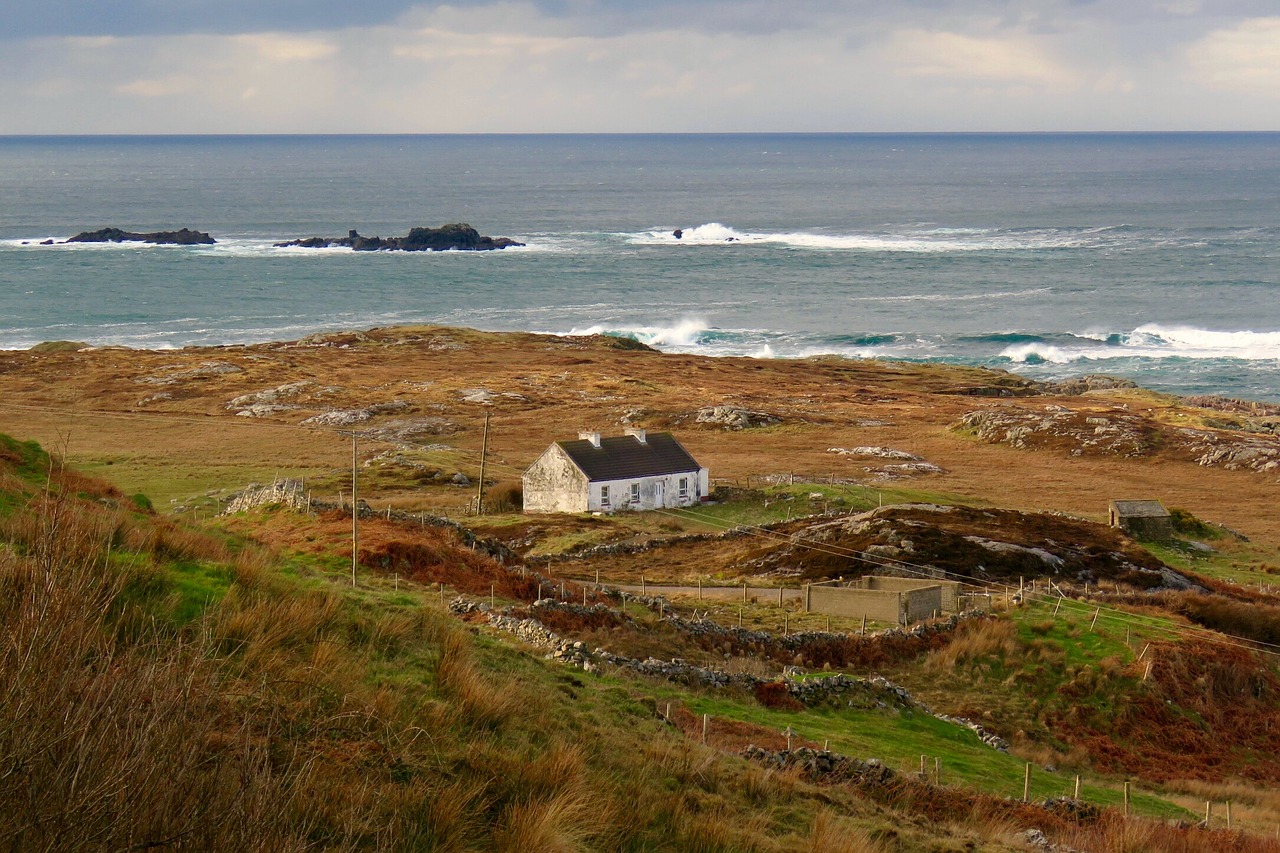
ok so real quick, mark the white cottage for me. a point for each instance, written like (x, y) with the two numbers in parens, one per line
(631, 471)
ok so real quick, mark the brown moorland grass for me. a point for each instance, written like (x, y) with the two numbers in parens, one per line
(260, 726)
(581, 383)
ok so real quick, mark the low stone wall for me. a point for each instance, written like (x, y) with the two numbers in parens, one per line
(838, 688)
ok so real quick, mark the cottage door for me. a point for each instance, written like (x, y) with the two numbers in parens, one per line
(661, 493)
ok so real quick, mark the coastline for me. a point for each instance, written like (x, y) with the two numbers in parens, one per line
(283, 407)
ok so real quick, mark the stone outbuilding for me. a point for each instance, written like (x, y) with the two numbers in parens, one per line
(1142, 519)
(631, 471)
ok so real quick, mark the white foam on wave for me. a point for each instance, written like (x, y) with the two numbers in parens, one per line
(1032, 353)
(953, 297)
(1153, 341)
(684, 334)
(910, 239)
(1206, 343)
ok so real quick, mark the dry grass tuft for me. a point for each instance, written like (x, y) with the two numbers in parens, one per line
(564, 822)
(974, 640)
(482, 703)
(830, 834)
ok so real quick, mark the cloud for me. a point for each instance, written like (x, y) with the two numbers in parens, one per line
(284, 48)
(703, 65)
(955, 56)
(1244, 57)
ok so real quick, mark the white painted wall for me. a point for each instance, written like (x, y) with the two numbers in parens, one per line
(654, 492)
(554, 484)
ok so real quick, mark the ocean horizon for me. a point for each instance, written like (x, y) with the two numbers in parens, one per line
(1151, 256)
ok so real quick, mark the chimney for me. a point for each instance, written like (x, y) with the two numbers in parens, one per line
(593, 437)
(637, 434)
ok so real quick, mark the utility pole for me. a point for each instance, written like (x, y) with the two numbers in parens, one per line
(355, 512)
(484, 450)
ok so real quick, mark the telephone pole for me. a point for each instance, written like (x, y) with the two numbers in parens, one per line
(355, 512)
(484, 450)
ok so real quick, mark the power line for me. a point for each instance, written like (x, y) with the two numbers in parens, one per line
(879, 561)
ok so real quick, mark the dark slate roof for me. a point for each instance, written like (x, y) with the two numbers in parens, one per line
(624, 458)
(1140, 509)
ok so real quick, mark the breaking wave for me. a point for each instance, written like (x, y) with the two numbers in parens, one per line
(1150, 341)
(906, 240)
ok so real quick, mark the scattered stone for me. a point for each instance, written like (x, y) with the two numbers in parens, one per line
(905, 469)
(875, 453)
(347, 417)
(263, 410)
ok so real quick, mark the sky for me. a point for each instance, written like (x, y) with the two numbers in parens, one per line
(607, 66)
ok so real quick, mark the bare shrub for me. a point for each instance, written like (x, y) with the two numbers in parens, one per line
(507, 496)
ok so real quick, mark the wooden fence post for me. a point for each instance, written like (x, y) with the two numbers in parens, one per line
(705, 722)
(1026, 784)
(1126, 799)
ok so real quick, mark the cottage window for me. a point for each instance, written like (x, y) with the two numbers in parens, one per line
(604, 496)
(635, 493)
(684, 487)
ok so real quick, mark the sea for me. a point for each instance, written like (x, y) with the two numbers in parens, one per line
(1150, 256)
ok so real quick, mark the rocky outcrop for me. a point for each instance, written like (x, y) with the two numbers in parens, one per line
(1232, 452)
(734, 417)
(1058, 428)
(1084, 384)
(1252, 446)
(204, 370)
(458, 237)
(347, 417)
(181, 237)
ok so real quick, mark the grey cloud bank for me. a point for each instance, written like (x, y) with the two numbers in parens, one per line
(389, 66)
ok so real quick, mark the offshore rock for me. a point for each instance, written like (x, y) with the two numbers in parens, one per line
(459, 237)
(181, 237)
